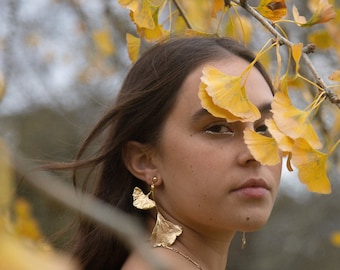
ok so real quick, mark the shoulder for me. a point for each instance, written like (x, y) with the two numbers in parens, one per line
(135, 261)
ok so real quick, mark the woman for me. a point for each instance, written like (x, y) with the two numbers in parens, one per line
(205, 182)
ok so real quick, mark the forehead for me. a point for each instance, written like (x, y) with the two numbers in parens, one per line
(258, 91)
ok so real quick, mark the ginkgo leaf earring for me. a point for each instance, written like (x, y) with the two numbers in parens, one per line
(165, 232)
(143, 201)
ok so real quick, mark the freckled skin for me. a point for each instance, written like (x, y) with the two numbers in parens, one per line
(199, 165)
(199, 170)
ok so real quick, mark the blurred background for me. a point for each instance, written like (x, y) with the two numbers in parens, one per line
(62, 63)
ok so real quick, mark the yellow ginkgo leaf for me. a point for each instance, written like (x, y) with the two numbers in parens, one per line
(292, 121)
(240, 28)
(141, 12)
(6, 178)
(179, 24)
(194, 33)
(25, 225)
(284, 142)
(198, 14)
(312, 167)
(228, 93)
(335, 76)
(217, 6)
(296, 53)
(300, 20)
(207, 103)
(323, 13)
(15, 255)
(264, 149)
(154, 35)
(103, 40)
(2, 86)
(272, 9)
(133, 46)
(335, 238)
(321, 38)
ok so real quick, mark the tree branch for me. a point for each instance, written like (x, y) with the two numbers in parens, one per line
(282, 40)
(182, 13)
(95, 210)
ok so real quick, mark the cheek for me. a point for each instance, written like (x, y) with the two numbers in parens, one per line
(276, 174)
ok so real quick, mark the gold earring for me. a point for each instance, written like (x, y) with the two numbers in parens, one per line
(143, 201)
(244, 240)
(165, 232)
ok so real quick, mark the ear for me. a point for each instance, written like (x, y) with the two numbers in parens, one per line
(138, 160)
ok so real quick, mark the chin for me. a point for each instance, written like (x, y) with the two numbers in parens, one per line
(255, 222)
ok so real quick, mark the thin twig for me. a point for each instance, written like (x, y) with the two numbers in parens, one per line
(95, 210)
(282, 40)
(182, 13)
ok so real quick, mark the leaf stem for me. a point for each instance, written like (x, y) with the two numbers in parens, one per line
(182, 13)
(282, 40)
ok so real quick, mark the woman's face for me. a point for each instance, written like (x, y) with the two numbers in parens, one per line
(209, 178)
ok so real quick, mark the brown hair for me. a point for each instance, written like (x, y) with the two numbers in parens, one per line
(146, 97)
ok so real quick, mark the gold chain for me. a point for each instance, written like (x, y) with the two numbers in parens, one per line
(183, 255)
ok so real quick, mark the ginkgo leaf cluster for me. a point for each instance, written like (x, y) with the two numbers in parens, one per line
(291, 128)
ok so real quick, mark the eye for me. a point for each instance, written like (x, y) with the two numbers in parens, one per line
(219, 129)
(263, 130)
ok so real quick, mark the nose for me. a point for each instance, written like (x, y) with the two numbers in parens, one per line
(244, 157)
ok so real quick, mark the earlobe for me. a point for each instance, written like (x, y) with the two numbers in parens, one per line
(137, 159)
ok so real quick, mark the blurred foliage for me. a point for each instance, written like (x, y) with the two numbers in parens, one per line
(61, 64)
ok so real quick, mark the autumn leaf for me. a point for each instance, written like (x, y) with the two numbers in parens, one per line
(292, 121)
(263, 148)
(207, 103)
(228, 93)
(198, 14)
(133, 46)
(194, 33)
(284, 142)
(312, 167)
(142, 12)
(2, 86)
(179, 25)
(103, 40)
(335, 238)
(152, 35)
(6, 178)
(25, 225)
(323, 13)
(300, 20)
(240, 28)
(321, 38)
(15, 255)
(217, 6)
(296, 53)
(273, 10)
(335, 76)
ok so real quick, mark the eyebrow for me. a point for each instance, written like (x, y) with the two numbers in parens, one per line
(264, 108)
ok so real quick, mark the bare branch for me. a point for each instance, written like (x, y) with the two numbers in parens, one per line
(182, 13)
(282, 40)
(102, 213)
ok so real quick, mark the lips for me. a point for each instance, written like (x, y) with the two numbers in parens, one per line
(254, 183)
(254, 188)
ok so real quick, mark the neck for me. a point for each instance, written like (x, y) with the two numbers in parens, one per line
(210, 251)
